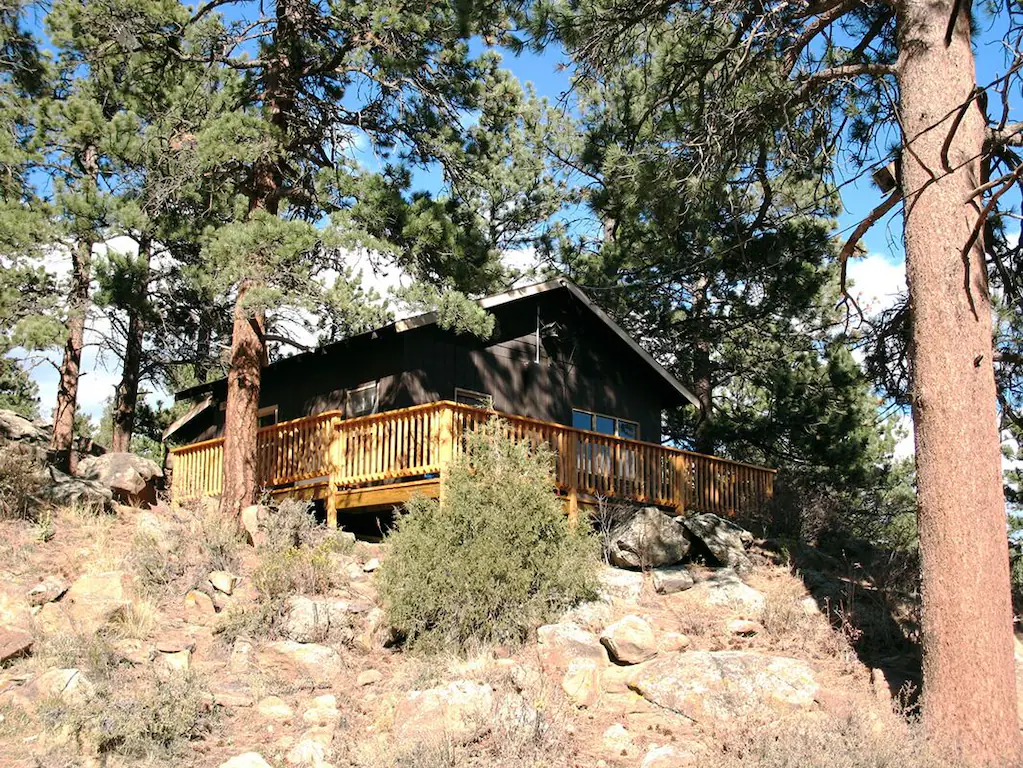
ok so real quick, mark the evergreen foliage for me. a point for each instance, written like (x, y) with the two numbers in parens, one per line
(501, 535)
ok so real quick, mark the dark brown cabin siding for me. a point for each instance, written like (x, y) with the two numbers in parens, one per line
(582, 364)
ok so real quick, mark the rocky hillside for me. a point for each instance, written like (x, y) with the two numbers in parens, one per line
(151, 637)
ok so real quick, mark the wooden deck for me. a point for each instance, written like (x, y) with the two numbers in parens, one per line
(380, 460)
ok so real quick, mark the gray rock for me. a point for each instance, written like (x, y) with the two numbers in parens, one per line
(725, 588)
(648, 539)
(63, 490)
(456, 713)
(624, 585)
(17, 428)
(630, 640)
(725, 540)
(668, 581)
(721, 685)
(129, 476)
(311, 621)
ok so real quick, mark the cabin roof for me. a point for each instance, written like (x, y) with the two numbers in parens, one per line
(488, 302)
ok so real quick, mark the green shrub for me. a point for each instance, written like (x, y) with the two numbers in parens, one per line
(496, 560)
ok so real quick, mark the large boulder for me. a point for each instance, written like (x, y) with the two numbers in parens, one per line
(130, 477)
(648, 539)
(16, 428)
(721, 685)
(62, 490)
(89, 604)
(726, 541)
(457, 713)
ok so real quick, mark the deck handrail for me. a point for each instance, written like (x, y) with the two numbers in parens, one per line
(419, 441)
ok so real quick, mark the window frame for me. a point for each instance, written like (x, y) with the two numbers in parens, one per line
(375, 408)
(462, 391)
(269, 410)
(615, 419)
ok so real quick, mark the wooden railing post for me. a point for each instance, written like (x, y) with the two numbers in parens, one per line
(334, 471)
(445, 444)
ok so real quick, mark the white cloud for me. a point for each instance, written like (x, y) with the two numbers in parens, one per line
(875, 280)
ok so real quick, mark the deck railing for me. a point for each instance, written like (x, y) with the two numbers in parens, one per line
(417, 442)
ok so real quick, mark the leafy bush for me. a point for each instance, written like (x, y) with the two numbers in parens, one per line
(298, 558)
(496, 560)
(20, 480)
(135, 713)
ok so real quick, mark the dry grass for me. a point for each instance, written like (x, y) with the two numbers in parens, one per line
(860, 738)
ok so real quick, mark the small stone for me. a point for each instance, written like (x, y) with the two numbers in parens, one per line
(745, 627)
(617, 739)
(14, 643)
(371, 565)
(199, 604)
(630, 640)
(223, 581)
(178, 661)
(274, 708)
(247, 760)
(323, 711)
(369, 677)
(673, 642)
(46, 591)
(241, 656)
(311, 749)
(581, 682)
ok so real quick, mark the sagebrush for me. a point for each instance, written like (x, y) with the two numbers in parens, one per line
(495, 560)
(21, 478)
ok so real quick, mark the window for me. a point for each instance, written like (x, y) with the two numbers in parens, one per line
(267, 417)
(605, 425)
(362, 400)
(475, 399)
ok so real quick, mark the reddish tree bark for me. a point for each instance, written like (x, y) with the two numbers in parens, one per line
(63, 438)
(969, 696)
(241, 420)
(126, 393)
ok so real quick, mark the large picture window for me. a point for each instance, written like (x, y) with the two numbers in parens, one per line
(473, 398)
(361, 401)
(605, 425)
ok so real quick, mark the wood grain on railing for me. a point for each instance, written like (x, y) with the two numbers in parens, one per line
(418, 442)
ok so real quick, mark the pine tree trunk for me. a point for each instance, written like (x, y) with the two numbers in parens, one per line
(63, 439)
(127, 391)
(969, 695)
(241, 421)
(248, 349)
(703, 388)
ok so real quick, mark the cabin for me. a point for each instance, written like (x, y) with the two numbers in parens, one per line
(364, 423)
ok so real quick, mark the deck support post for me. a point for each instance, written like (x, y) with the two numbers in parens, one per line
(334, 465)
(445, 444)
(681, 482)
(572, 463)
